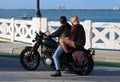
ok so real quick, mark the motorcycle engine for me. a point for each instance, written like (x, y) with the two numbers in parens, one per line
(48, 53)
(48, 61)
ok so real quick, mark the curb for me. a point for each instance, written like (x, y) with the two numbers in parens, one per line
(9, 55)
(107, 64)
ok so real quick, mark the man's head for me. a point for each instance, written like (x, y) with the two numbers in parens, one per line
(74, 20)
(63, 20)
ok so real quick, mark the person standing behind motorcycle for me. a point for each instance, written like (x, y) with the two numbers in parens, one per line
(76, 38)
(62, 32)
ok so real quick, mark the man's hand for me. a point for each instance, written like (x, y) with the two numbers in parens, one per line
(45, 36)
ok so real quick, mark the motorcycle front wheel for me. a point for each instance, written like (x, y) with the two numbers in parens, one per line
(28, 61)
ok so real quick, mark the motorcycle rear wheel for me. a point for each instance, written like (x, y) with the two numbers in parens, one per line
(28, 61)
(85, 69)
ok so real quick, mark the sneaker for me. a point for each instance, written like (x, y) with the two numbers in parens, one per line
(56, 74)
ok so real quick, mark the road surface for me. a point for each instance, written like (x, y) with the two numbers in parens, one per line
(11, 71)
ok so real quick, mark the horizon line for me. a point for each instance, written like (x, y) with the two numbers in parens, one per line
(58, 9)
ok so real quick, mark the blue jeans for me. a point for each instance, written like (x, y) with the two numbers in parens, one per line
(56, 55)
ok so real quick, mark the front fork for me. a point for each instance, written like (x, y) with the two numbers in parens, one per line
(35, 48)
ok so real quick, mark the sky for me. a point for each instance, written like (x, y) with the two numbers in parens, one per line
(53, 4)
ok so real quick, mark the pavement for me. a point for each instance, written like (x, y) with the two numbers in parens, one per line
(12, 71)
(12, 47)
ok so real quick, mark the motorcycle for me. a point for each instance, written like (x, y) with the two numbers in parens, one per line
(30, 57)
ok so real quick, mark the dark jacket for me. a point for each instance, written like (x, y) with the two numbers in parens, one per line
(78, 35)
(62, 31)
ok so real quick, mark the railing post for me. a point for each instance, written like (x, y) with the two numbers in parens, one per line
(44, 24)
(40, 24)
(12, 31)
(90, 36)
(88, 30)
(36, 24)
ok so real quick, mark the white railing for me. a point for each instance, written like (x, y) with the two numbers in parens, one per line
(19, 30)
(106, 35)
(102, 35)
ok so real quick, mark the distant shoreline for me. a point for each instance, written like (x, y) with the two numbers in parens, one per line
(69, 9)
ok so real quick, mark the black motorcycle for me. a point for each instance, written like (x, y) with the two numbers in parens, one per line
(79, 61)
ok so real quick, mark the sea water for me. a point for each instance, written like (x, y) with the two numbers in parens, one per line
(54, 14)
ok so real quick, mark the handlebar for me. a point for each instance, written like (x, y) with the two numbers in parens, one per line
(40, 34)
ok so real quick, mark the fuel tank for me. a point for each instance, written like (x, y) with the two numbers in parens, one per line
(50, 43)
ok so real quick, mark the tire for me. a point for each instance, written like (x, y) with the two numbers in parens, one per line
(29, 62)
(85, 69)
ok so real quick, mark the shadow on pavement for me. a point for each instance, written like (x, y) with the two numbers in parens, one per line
(106, 71)
(13, 65)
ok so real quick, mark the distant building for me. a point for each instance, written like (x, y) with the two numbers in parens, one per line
(116, 8)
(61, 7)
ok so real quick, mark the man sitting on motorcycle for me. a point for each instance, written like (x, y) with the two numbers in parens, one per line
(76, 38)
(62, 32)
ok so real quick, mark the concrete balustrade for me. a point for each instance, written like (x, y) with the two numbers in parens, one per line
(99, 35)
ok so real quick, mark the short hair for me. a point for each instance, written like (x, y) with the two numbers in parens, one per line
(63, 20)
(75, 19)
